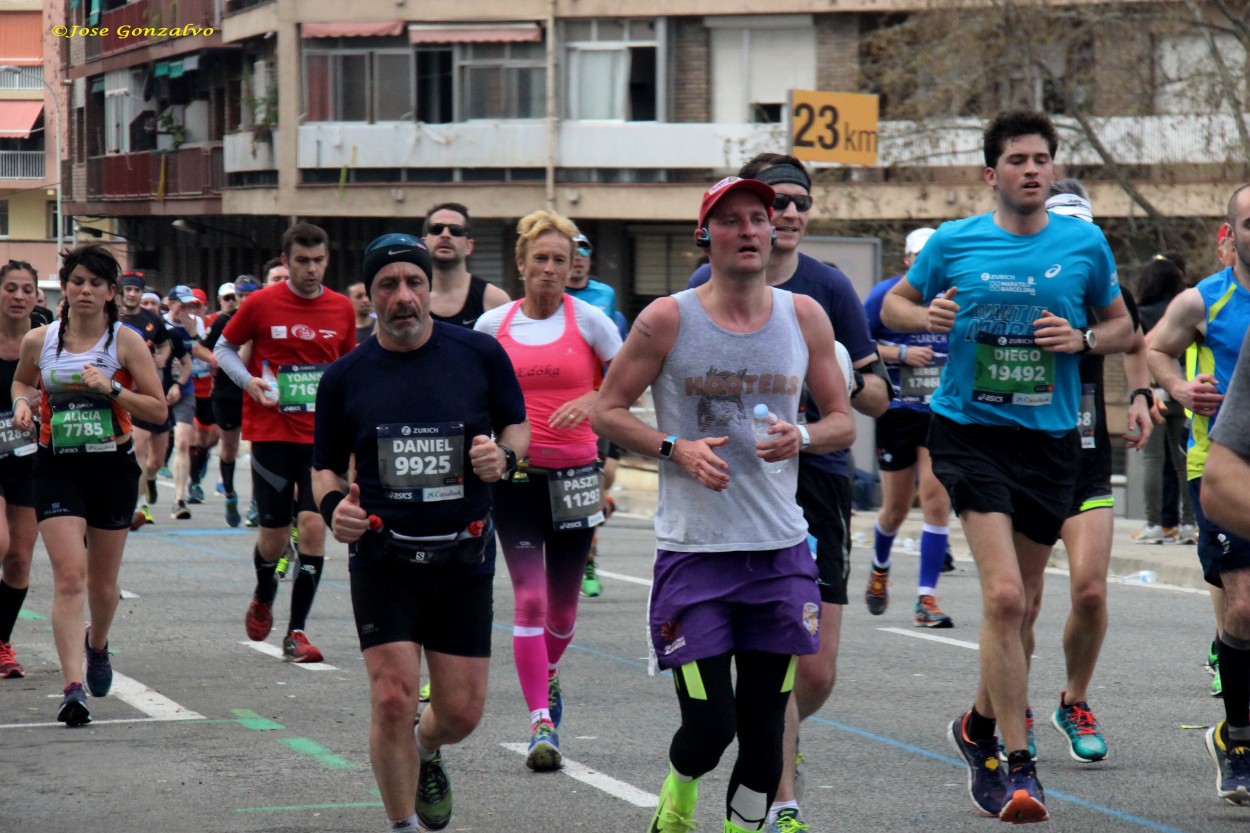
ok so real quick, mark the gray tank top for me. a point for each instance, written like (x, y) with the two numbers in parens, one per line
(709, 384)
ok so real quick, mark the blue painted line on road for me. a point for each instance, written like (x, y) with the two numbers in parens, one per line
(1071, 799)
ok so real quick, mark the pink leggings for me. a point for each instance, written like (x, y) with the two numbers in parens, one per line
(546, 568)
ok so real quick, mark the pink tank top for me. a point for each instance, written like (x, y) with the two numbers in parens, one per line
(550, 375)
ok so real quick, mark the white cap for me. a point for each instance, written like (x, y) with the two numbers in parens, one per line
(1071, 205)
(916, 240)
(226, 288)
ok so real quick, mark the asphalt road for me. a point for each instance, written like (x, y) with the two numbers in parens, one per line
(205, 732)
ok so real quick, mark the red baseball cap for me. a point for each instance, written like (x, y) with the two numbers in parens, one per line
(200, 295)
(730, 184)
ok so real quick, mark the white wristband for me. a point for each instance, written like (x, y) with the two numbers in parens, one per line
(902, 353)
(806, 437)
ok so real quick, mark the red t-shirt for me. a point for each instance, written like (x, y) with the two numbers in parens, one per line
(298, 337)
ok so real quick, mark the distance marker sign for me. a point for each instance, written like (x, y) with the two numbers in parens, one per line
(833, 127)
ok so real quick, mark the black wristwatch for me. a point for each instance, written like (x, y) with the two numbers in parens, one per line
(1146, 392)
(668, 446)
(859, 384)
(117, 389)
(509, 459)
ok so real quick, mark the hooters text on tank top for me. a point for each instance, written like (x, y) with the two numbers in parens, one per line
(709, 384)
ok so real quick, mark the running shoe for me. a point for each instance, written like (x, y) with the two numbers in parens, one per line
(670, 818)
(181, 512)
(253, 515)
(137, 521)
(1081, 728)
(1213, 658)
(294, 538)
(259, 620)
(297, 648)
(591, 586)
(233, 518)
(165, 472)
(99, 668)
(195, 493)
(1217, 685)
(152, 490)
(929, 615)
(987, 779)
(73, 710)
(434, 794)
(1232, 766)
(544, 754)
(220, 488)
(789, 820)
(555, 699)
(423, 695)
(1155, 534)
(877, 596)
(282, 568)
(1028, 728)
(9, 666)
(1187, 534)
(1026, 801)
(147, 514)
(948, 563)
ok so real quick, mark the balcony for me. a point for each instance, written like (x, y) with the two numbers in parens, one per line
(127, 24)
(22, 164)
(27, 78)
(244, 153)
(193, 172)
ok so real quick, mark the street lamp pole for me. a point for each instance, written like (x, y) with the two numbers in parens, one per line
(56, 127)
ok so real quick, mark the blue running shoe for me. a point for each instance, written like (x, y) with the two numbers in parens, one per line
(1232, 766)
(1028, 726)
(253, 515)
(195, 493)
(433, 794)
(555, 699)
(233, 518)
(1026, 801)
(1080, 727)
(987, 779)
(99, 669)
(221, 489)
(544, 753)
(73, 710)
(165, 472)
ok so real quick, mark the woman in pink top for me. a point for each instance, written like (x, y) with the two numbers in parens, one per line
(547, 511)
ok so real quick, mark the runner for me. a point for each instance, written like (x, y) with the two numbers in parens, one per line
(457, 297)
(150, 440)
(296, 328)
(1215, 315)
(735, 583)
(548, 510)
(185, 325)
(1012, 289)
(915, 362)
(18, 527)
(403, 604)
(95, 373)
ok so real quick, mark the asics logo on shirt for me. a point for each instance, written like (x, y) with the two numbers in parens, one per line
(1054, 270)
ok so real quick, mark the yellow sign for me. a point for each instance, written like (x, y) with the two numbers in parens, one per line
(833, 127)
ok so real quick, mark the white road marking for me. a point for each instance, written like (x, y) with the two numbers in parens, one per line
(596, 779)
(127, 594)
(275, 651)
(148, 700)
(645, 582)
(933, 638)
(93, 723)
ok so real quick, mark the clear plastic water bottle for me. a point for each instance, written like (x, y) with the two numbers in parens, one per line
(266, 373)
(763, 418)
(1140, 577)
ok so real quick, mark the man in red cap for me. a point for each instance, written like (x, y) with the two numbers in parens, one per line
(735, 583)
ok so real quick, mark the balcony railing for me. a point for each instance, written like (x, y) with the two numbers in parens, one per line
(26, 78)
(139, 23)
(244, 152)
(21, 164)
(188, 172)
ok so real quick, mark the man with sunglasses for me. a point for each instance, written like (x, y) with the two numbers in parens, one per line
(825, 480)
(456, 296)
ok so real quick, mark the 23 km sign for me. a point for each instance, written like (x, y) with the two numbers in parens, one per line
(833, 127)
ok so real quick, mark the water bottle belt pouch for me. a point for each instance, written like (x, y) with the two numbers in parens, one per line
(466, 549)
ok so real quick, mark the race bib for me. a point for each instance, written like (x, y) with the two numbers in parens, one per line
(421, 463)
(297, 387)
(82, 424)
(14, 443)
(1088, 419)
(1012, 370)
(917, 384)
(576, 497)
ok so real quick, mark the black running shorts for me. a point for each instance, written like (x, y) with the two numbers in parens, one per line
(900, 432)
(277, 470)
(1218, 549)
(102, 487)
(826, 502)
(448, 610)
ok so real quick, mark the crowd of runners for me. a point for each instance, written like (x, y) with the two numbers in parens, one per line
(982, 365)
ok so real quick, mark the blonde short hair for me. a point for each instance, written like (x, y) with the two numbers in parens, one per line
(538, 223)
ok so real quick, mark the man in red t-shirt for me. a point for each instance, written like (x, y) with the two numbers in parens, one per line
(297, 328)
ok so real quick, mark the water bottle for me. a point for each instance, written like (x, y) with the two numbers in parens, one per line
(266, 373)
(763, 418)
(1140, 577)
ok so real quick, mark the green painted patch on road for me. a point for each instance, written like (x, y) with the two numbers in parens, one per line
(249, 719)
(29, 616)
(319, 753)
(296, 807)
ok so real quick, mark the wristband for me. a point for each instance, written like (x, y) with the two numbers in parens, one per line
(1146, 392)
(902, 353)
(25, 399)
(805, 438)
(328, 504)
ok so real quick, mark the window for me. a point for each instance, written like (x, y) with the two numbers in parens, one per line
(66, 225)
(756, 60)
(612, 69)
(123, 102)
(435, 96)
(503, 81)
(364, 85)
(1187, 79)
(4, 218)
(664, 258)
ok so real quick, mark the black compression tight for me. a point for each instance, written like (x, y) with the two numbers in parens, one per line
(712, 712)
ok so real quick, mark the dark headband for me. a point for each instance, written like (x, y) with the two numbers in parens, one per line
(785, 173)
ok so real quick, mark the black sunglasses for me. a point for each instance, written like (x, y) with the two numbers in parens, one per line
(454, 229)
(782, 201)
(226, 297)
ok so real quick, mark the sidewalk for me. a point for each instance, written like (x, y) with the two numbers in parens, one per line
(636, 492)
